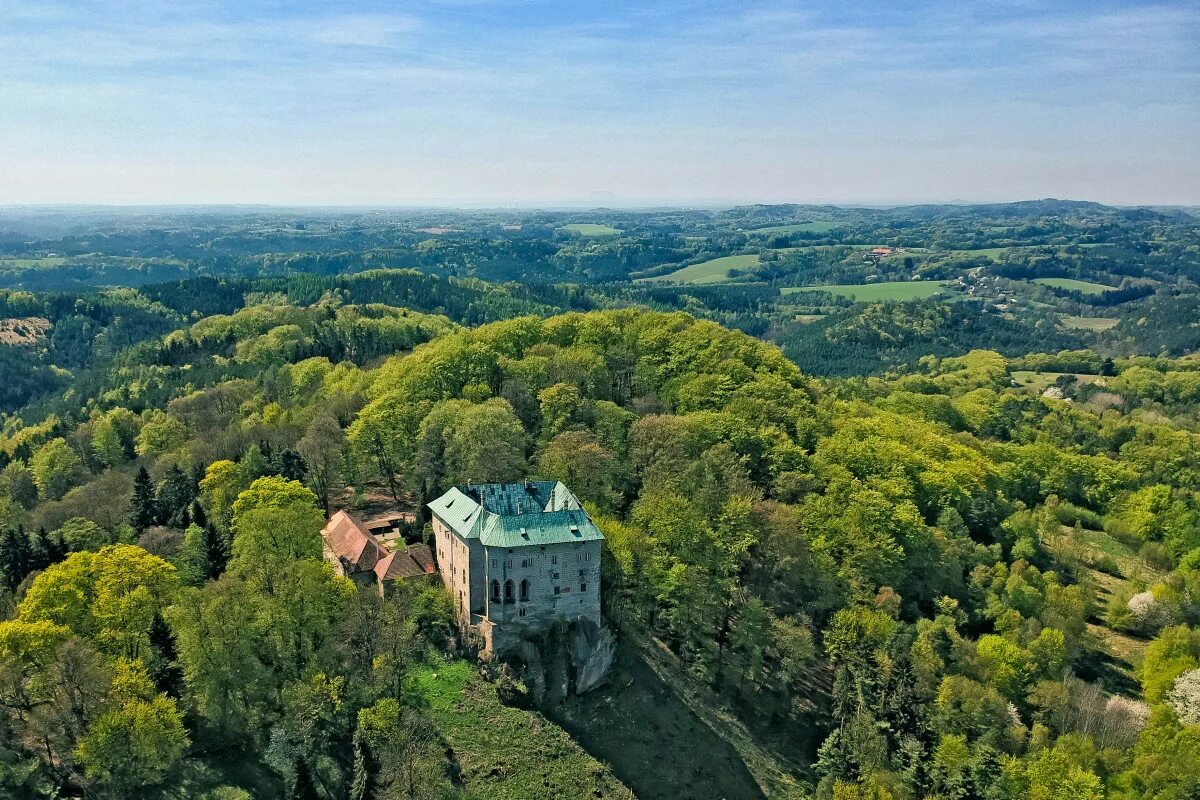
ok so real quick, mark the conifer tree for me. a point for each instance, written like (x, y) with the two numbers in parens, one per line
(216, 550)
(145, 510)
(15, 557)
(303, 788)
(168, 676)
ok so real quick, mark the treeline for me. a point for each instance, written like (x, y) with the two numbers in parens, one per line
(869, 339)
(907, 536)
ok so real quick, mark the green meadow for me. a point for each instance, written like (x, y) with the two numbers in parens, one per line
(26, 263)
(799, 227)
(591, 229)
(1097, 324)
(869, 292)
(713, 271)
(1073, 285)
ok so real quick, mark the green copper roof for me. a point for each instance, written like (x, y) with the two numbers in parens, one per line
(516, 514)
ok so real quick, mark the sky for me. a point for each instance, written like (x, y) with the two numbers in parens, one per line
(527, 103)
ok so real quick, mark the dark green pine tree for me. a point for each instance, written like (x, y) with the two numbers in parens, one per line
(175, 493)
(16, 558)
(48, 548)
(168, 677)
(303, 788)
(198, 515)
(145, 509)
(217, 551)
(291, 465)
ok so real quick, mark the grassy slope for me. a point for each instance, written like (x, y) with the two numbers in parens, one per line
(25, 263)
(506, 753)
(669, 739)
(1089, 323)
(887, 290)
(1040, 381)
(713, 271)
(590, 229)
(800, 227)
(1117, 653)
(1070, 283)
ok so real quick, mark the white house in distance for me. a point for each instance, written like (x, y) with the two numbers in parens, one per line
(517, 557)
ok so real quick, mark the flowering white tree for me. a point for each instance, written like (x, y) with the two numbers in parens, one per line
(1184, 697)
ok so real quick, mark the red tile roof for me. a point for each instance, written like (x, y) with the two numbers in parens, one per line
(421, 554)
(350, 542)
(357, 548)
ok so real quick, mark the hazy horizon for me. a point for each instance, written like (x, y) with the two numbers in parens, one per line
(464, 103)
(582, 205)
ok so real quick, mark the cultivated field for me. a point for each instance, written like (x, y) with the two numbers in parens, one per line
(590, 229)
(869, 292)
(799, 227)
(1097, 324)
(713, 271)
(26, 263)
(1073, 285)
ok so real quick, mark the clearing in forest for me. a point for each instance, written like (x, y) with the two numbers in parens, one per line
(799, 227)
(1070, 284)
(23, 331)
(26, 263)
(1097, 324)
(591, 229)
(504, 752)
(886, 290)
(714, 271)
(1041, 381)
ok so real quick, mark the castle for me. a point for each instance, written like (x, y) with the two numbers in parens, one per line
(372, 551)
(516, 557)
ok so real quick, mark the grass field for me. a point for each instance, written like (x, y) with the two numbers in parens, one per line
(506, 753)
(1096, 324)
(26, 263)
(1097, 553)
(799, 227)
(869, 292)
(713, 271)
(1040, 381)
(1073, 285)
(590, 229)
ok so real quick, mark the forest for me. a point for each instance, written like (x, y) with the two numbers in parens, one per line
(936, 548)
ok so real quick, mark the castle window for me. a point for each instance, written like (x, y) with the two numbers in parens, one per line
(524, 592)
(521, 612)
(556, 576)
(556, 590)
(508, 591)
(553, 559)
(583, 587)
(495, 591)
(493, 562)
(527, 562)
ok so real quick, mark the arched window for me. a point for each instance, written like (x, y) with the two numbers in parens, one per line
(508, 591)
(495, 591)
(524, 591)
